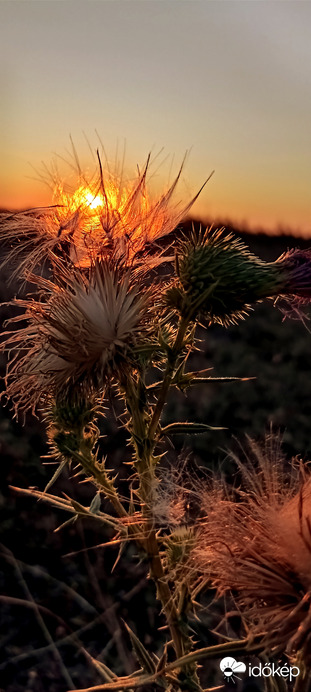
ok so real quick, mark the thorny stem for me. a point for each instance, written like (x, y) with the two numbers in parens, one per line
(143, 428)
(168, 376)
(92, 467)
(145, 463)
(84, 438)
(210, 652)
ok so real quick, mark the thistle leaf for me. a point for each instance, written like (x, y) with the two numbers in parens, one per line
(220, 379)
(144, 659)
(184, 380)
(104, 671)
(56, 474)
(78, 507)
(160, 666)
(72, 520)
(188, 429)
(95, 504)
(162, 661)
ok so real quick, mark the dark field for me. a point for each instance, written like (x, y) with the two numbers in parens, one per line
(45, 595)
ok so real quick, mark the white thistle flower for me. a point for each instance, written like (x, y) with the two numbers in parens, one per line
(81, 333)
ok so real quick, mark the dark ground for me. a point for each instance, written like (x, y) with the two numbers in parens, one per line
(80, 594)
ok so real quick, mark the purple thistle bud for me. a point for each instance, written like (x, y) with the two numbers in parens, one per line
(295, 269)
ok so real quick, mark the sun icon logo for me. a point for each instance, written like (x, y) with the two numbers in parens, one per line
(230, 667)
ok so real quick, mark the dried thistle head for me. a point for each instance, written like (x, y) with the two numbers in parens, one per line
(219, 278)
(256, 545)
(104, 215)
(83, 331)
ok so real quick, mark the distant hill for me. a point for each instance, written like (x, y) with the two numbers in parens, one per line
(268, 245)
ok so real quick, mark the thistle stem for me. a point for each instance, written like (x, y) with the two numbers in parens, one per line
(143, 428)
(145, 464)
(207, 653)
(168, 376)
(90, 466)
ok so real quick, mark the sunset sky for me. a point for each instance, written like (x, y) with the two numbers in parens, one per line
(227, 80)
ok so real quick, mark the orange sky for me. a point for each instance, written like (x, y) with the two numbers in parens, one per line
(229, 80)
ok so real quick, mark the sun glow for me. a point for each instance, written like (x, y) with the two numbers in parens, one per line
(107, 213)
(93, 202)
(84, 198)
(112, 200)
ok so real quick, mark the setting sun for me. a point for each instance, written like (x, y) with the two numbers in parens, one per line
(82, 199)
(93, 202)
(111, 200)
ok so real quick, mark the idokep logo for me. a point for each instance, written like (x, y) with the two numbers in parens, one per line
(230, 667)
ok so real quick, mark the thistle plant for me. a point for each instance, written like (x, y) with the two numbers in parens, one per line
(103, 322)
(256, 544)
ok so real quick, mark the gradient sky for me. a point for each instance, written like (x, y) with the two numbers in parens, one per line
(229, 80)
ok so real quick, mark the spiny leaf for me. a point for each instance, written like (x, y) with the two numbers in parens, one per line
(78, 507)
(72, 520)
(188, 683)
(143, 656)
(183, 381)
(95, 504)
(161, 665)
(56, 474)
(84, 511)
(120, 551)
(221, 379)
(106, 673)
(188, 429)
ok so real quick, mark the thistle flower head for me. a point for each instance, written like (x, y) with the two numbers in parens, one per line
(256, 544)
(105, 215)
(82, 332)
(219, 278)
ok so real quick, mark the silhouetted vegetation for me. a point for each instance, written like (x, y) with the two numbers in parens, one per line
(46, 594)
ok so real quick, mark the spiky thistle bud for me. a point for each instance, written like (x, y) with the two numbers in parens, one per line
(219, 278)
(71, 419)
(72, 411)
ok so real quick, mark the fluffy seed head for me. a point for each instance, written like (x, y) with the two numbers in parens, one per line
(256, 544)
